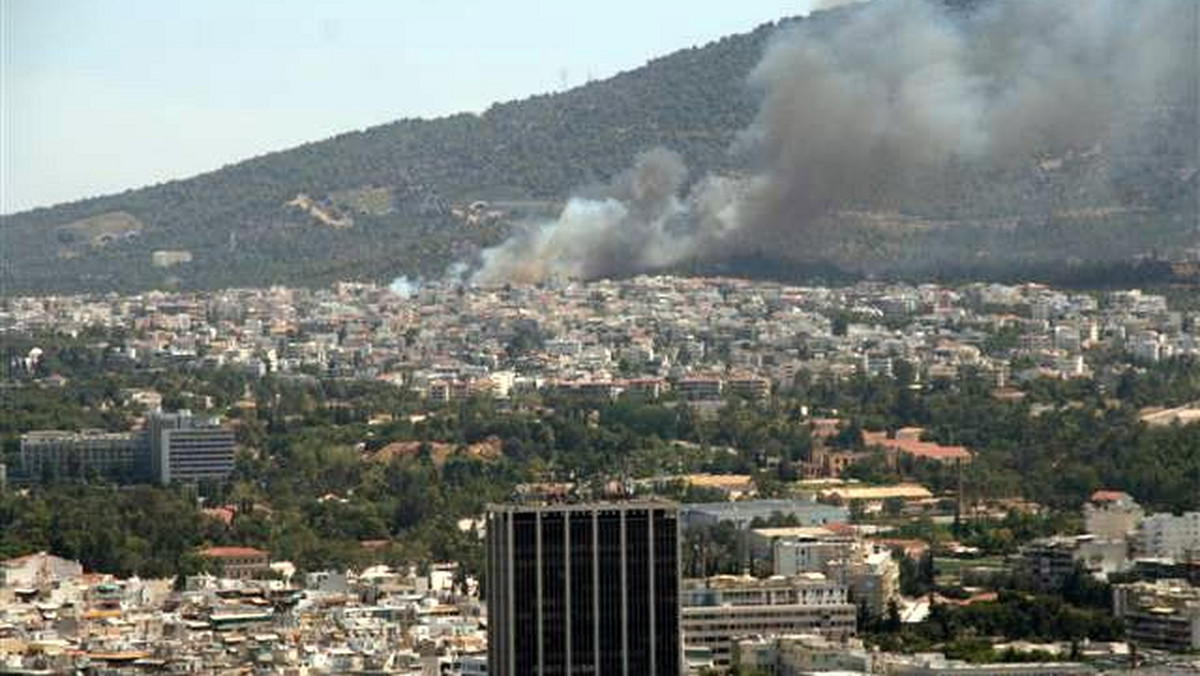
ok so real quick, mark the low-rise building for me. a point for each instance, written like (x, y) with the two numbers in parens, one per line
(937, 664)
(867, 569)
(1164, 614)
(1170, 536)
(699, 388)
(844, 495)
(761, 542)
(173, 447)
(747, 386)
(806, 655)
(1048, 562)
(55, 453)
(742, 512)
(907, 444)
(237, 563)
(1165, 569)
(718, 611)
(809, 553)
(37, 570)
(1112, 515)
(732, 486)
(801, 653)
(873, 578)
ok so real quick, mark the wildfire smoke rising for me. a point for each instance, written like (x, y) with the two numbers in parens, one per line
(641, 221)
(866, 109)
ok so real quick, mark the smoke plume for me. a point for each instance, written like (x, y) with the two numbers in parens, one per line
(405, 287)
(820, 5)
(877, 107)
(641, 221)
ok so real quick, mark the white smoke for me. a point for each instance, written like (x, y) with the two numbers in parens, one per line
(872, 107)
(821, 5)
(640, 222)
(405, 287)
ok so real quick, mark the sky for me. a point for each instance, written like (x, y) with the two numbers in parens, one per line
(100, 96)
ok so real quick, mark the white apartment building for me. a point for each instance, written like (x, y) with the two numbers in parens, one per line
(1167, 536)
(719, 611)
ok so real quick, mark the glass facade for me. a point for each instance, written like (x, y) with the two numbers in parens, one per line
(583, 590)
(638, 598)
(583, 595)
(553, 585)
(524, 598)
(666, 592)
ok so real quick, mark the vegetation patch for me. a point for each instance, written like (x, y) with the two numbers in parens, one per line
(99, 230)
(365, 200)
(320, 212)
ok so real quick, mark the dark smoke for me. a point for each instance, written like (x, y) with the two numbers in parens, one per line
(875, 109)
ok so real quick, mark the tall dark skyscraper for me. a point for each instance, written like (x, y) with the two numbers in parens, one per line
(583, 589)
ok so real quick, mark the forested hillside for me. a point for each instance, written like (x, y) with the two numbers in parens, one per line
(413, 196)
(237, 227)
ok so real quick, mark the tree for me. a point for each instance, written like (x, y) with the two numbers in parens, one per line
(858, 511)
(893, 506)
(840, 324)
(892, 622)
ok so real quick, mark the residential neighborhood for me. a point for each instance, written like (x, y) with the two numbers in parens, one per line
(787, 558)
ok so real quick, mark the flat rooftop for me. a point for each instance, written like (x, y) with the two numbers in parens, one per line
(602, 506)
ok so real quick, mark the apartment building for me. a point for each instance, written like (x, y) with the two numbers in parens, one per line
(718, 611)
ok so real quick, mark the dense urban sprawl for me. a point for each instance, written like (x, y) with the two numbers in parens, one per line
(879, 478)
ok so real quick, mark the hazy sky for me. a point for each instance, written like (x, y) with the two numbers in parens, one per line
(103, 95)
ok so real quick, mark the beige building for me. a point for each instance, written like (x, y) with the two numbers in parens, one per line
(719, 611)
(1163, 614)
(803, 655)
(37, 570)
(868, 571)
(762, 541)
(747, 386)
(874, 495)
(733, 486)
(1112, 515)
(810, 553)
(800, 654)
(237, 562)
(873, 578)
(939, 665)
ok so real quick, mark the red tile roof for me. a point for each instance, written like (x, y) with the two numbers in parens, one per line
(231, 552)
(222, 514)
(824, 428)
(917, 448)
(840, 528)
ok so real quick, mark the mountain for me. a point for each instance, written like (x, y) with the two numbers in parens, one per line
(391, 199)
(413, 196)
